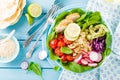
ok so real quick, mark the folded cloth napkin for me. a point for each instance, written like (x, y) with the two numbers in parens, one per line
(110, 70)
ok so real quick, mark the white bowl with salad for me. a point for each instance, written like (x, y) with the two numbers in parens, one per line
(79, 40)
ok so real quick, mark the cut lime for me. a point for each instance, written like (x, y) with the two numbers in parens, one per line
(29, 19)
(34, 10)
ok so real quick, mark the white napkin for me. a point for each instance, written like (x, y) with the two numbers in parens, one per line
(110, 70)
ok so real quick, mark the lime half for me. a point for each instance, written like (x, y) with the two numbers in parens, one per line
(29, 19)
(34, 10)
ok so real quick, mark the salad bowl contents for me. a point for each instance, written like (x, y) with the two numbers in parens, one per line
(79, 40)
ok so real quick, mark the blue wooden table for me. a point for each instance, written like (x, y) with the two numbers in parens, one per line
(12, 70)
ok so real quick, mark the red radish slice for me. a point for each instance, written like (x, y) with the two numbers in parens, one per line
(100, 57)
(78, 60)
(88, 59)
(94, 56)
(85, 55)
(84, 62)
(84, 52)
(92, 64)
(24, 65)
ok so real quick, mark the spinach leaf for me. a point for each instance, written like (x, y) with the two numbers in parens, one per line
(52, 55)
(108, 39)
(35, 68)
(66, 50)
(56, 68)
(76, 67)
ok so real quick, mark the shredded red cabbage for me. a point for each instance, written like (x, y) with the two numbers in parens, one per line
(98, 44)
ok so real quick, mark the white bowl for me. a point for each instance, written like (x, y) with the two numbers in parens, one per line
(6, 60)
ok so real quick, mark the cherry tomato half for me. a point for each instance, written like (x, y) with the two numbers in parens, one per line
(69, 58)
(58, 52)
(53, 43)
(61, 43)
(67, 41)
(63, 58)
(60, 36)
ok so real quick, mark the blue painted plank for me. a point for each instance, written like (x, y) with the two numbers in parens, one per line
(18, 74)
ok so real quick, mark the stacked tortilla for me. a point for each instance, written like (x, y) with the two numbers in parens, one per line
(10, 12)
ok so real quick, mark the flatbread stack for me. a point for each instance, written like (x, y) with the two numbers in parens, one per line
(10, 12)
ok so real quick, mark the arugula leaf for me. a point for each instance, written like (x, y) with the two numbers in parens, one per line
(35, 68)
(56, 68)
(66, 50)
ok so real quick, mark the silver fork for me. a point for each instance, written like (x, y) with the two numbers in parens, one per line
(49, 21)
(29, 39)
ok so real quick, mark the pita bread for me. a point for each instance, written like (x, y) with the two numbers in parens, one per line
(14, 18)
(8, 8)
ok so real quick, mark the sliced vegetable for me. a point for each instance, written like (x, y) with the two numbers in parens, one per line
(66, 50)
(69, 58)
(58, 52)
(53, 43)
(73, 30)
(61, 43)
(84, 62)
(34, 10)
(92, 64)
(94, 56)
(98, 44)
(78, 60)
(67, 41)
(42, 55)
(24, 65)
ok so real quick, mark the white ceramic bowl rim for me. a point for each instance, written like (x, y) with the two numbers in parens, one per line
(16, 53)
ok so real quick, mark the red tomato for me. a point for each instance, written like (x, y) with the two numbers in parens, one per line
(53, 43)
(67, 41)
(63, 58)
(58, 52)
(60, 36)
(61, 43)
(70, 58)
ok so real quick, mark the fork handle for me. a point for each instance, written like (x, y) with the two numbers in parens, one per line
(29, 54)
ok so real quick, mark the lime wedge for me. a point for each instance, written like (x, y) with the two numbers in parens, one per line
(34, 10)
(29, 19)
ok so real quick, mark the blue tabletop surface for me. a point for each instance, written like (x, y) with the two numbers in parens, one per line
(12, 70)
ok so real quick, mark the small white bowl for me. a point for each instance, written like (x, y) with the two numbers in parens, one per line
(6, 60)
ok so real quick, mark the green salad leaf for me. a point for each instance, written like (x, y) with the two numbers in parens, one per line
(76, 67)
(52, 55)
(35, 68)
(66, 50)
(56, 68)
(108, 39)
(77, 10)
